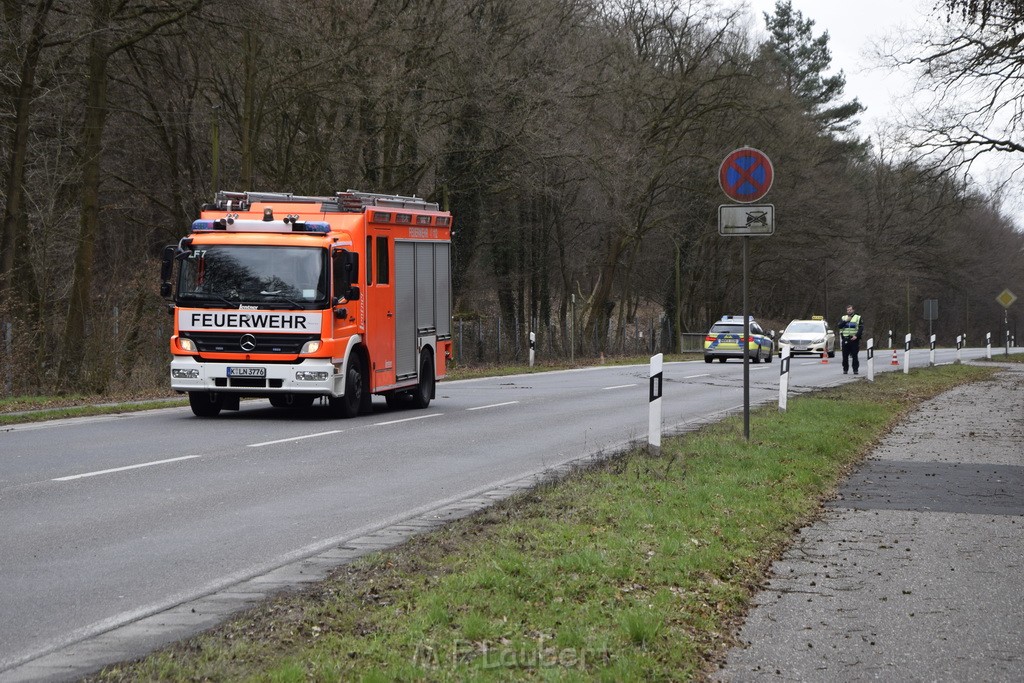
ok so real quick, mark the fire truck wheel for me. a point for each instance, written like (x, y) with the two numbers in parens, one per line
(205, 403)
(425, 390)
(351, 403)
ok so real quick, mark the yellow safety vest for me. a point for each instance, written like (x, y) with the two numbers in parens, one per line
(850, 327)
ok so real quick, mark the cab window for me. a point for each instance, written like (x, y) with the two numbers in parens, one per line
(369, 260)
(382, 261)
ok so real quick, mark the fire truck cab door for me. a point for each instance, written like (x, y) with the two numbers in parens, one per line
(381, 312)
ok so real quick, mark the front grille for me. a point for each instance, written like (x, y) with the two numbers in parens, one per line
(248, 382)
(231, 342)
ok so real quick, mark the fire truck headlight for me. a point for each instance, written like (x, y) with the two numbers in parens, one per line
(190, 373)
(310, 376)
(186, 344)
(311, 346)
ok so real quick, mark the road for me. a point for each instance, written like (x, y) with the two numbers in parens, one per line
(109, 519)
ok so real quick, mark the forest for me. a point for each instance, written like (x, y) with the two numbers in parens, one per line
(576, 142)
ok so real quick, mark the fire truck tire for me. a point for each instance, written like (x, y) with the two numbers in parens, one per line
(205, 403)
(356, 396)
(425, 390)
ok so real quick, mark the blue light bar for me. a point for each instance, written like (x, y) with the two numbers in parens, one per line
(201, 225)
(313, 226)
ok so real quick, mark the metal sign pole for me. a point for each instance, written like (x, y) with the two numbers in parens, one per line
(746, 348)
(746, 176)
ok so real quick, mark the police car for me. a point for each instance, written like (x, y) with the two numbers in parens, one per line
(724, 340)
(812, 336)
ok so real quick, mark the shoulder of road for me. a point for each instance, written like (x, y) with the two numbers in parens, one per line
(913, 573)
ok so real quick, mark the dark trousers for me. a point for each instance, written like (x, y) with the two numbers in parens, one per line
(850, 350)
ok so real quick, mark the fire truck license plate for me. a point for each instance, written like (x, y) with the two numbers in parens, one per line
(247, 372)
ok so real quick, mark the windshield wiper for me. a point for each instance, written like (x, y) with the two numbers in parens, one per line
(278, 297)
(205, 297)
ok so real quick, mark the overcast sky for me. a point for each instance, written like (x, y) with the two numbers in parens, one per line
(853, 28)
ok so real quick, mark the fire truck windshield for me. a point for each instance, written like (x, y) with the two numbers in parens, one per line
(271, 276)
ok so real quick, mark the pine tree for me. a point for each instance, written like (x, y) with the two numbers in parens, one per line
(800, 61)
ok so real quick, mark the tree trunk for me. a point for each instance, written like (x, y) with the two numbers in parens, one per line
(599, 312)
(80, 308)
(13, 219)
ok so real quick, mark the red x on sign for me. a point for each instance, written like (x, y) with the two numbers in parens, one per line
(746, 175)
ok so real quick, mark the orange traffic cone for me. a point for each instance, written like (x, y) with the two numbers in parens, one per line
(824, 357)
(895, 361)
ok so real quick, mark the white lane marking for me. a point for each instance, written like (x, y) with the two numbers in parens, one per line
(122, 469)
(408, 419)
(493, 405)
(706, 374)
(618, 386)
(296, 438)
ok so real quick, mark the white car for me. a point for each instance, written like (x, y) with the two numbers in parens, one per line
(812, 336)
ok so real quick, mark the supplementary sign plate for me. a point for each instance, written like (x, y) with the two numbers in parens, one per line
(746, 219)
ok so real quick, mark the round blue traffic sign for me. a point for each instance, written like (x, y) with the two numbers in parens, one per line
(746, 175)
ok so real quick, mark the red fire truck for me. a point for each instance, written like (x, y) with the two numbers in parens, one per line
(294, 298)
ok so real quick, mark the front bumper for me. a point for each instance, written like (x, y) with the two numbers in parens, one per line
(798, 348)
(188, 374)
(734, 353)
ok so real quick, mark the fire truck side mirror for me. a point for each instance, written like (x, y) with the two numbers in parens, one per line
(167, 269)
(346, 274)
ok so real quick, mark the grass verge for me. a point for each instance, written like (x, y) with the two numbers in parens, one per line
(41, 409)
(638, 569)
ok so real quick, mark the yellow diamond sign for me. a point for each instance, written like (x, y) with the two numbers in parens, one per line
(1006, 298)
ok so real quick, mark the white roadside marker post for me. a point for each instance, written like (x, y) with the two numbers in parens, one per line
(871, 359)
(906, 355)
(783, 378)
(654, 402)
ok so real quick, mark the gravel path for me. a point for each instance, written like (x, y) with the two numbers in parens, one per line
(916, 571)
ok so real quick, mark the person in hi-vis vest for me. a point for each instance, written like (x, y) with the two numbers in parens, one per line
(851, 329)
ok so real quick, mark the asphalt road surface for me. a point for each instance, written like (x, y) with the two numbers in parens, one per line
(106, 520)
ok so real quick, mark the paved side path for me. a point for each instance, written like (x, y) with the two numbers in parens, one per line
(916, 572)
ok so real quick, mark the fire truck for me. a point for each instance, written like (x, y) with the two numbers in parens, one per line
(297, 298)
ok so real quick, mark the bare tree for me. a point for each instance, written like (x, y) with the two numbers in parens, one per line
(113, 26)
(20, 98)
(970, 71)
